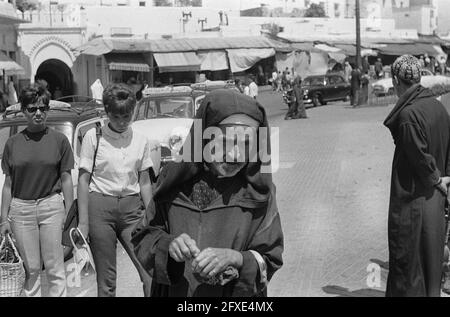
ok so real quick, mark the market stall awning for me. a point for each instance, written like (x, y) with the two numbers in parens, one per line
(213, 60)
(243, 59)
(10, 67)
(408, 48)
(129, 62)
(177, 62)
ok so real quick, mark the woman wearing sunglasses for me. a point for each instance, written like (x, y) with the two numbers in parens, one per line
(37, 164)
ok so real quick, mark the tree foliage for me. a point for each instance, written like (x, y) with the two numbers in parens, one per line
(188, 3)
(26, 5)
(315, 11)
(162, 3)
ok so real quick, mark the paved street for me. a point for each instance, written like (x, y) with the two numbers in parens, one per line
(332, 192)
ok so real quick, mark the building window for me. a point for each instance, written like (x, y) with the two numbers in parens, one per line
(142, 3)
(12, 55)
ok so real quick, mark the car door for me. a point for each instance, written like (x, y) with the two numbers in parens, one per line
(341, 90)
(328, 89)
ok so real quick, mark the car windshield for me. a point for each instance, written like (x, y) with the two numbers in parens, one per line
(313, 81)
(170, 107)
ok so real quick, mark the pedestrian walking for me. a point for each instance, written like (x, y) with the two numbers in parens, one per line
(297, 108)
(37, 164)
(379, 69)
(57, 93)
(279, 82)
(3, 102)
(420, 127)
(347, 71)
(239, 85)
(422, 61)
(364, 95)
(112, 197)
(237, 246)
(12, 94)
(253, 88)
(365, 65)
(274, 80)
(355, 83)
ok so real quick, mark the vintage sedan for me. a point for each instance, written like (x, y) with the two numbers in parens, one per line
(438, 83)
(165, 115)
(321, 89)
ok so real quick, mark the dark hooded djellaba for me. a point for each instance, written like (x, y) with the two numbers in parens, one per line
(420, 127)
(214, 228)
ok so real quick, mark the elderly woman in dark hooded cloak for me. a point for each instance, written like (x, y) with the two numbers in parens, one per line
(215, 228)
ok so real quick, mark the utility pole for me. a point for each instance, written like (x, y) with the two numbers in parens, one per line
(185, 19)
(203, 21)
(358, 34)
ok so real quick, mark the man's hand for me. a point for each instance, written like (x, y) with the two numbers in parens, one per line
(212, 261)
(443, 184)
(183, 248)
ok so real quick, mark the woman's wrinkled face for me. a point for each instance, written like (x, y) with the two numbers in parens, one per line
(232, 149)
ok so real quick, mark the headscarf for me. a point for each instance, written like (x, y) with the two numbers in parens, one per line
(218, 105)
(407, 68)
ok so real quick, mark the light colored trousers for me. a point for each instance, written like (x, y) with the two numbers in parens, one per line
(37, 228)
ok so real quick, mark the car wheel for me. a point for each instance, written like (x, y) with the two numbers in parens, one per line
(347, 98)
(316, 100)
(390, 91)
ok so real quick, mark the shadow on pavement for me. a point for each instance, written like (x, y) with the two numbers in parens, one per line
(345, 292)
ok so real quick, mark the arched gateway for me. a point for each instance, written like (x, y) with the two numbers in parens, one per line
(52, 59)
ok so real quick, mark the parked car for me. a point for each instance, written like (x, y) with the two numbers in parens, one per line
(439, 83)
(211, 85)
(321, 89)
(166, 115)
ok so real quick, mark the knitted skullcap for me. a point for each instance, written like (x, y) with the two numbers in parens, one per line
(240, 118)
(407, 68)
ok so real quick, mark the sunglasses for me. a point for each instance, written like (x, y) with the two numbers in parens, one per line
(35, 109)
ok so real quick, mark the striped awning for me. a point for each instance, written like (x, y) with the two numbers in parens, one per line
(9, 66)
(177, 62)
(127, 61)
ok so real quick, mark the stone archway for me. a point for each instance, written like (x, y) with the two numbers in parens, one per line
(52, 60)
(57, 74)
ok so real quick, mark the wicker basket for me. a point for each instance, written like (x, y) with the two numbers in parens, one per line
(12, 272)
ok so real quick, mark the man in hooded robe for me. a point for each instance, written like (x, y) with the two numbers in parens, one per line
(297, 108)
(420, 127)
(214, 228)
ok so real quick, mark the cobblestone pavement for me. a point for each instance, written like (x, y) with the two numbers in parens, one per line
(332, 193)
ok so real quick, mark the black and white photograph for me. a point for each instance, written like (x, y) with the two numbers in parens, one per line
(239, 150)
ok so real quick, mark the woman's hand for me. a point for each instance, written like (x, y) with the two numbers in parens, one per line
(183, 248)
(5, 228)
(84, 229)
(212, 261)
